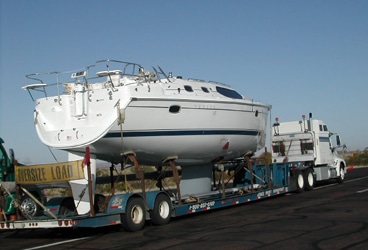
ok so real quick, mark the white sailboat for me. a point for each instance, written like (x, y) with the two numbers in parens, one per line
(124, 107)
(127, 108)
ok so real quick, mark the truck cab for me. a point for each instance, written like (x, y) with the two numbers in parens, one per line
(310, 143)
(325, 152)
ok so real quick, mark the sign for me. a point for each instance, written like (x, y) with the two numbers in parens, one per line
(35, 174)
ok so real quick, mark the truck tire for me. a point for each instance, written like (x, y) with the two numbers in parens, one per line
(161, 212)
(308, 179)
(299, 182)
(134, 217)
(341, 178)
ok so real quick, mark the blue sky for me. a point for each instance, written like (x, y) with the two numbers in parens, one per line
(298, 56)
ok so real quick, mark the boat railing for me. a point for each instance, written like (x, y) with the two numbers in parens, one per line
(128, 68)
(36, 82)
(161, 74)
(196, 80)
(104, 73)
(220, 83)
(214, 82)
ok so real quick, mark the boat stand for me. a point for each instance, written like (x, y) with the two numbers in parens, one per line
(138, 170)
(171, 161)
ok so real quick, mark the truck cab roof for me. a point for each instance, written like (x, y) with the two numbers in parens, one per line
(301, 126)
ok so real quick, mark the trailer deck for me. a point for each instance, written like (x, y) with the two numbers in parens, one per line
(133, 208)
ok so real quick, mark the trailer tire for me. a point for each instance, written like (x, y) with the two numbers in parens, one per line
(134, 217)
(161, 213)
(67, 207)
(299, 182)
(308, 180)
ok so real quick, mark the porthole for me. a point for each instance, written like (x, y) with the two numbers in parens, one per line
(204, 89)
(188, 88)
(174, 109)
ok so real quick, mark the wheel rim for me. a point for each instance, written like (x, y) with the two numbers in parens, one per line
(300, 181)
(29, 206)
(310, 179)
(137, 214)
(342, 173)
(164, 209)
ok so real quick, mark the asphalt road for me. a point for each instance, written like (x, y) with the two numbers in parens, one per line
(333, 216)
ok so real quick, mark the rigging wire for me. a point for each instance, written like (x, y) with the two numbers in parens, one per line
(52, 154)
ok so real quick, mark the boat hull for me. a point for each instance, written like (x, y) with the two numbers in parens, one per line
(199, 134)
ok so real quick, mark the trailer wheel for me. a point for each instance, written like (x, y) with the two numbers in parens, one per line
(161, 212)
(299, 182)
(67, 207)
(309, 179)
(134, 217)
(30, 207)
(341, 178)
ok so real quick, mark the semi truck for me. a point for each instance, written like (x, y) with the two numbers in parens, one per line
(238, 181)
(309, 143)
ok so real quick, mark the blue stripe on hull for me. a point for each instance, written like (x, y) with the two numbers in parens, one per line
(181, 133)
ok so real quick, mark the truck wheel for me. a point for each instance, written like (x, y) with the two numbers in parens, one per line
(341, 178)
(30, 207)
(161, 212)
(308, 180)
(299, 182)
(134, 217)
(67, 207)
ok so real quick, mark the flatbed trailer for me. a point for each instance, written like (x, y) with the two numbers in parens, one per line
(248, 182)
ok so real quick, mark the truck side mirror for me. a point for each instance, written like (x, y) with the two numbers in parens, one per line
(338, 141)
